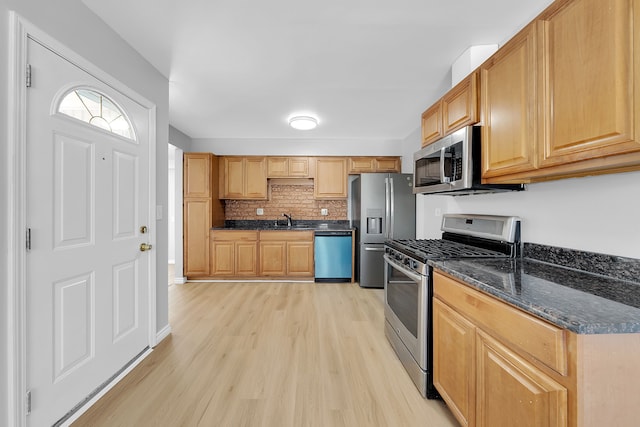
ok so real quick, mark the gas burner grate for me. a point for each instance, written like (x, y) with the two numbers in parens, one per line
(441, 249)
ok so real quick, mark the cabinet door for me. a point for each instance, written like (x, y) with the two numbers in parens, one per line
(362, 165)
(589, 97)
(255, 178)
(246, 262)
(273, 258)
(232, 178)
(300, 259)
(454, 361)
(512, 392)
(196, 175)
(299, 167)
(509, 108)
(432, 124)
(388, 164)
(331, 178)
(197, 220)
(277, 167)
(222, 258)
(460, 105)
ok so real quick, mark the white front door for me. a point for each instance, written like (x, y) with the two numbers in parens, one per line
(87, 279)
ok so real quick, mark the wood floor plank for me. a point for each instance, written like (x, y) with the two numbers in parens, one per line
(270, 354)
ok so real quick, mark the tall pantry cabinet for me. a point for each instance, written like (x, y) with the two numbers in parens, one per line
(202, 210)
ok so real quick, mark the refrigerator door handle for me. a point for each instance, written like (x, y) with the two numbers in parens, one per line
(392, 213)
(387, 208)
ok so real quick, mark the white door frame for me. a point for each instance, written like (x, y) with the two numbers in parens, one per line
(19, 30)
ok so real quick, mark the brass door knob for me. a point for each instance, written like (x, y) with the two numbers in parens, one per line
(145, 247)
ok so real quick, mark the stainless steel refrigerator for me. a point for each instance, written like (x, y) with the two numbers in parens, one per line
(383, 207)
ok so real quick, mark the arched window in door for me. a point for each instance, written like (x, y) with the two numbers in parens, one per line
(98, 110)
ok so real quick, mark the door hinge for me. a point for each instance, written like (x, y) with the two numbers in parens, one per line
(28, 239)
(28, 75)
(28, 402)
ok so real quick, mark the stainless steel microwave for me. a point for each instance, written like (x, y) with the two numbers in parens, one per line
(452, 165)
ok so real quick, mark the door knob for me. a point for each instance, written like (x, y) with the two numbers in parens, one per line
(145, 247)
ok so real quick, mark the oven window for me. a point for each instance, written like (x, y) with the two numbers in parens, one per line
(403, 298)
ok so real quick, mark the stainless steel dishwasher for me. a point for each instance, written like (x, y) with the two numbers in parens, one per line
(333, 256)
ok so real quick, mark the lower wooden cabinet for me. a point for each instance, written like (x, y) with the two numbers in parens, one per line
(510, 391)
(454, 361)
(485, 379)
(234, 253)
(251, 253)
(273, 258)
(197, 219)
(286, 253)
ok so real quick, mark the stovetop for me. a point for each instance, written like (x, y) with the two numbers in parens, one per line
(464, 236)
(425, 249)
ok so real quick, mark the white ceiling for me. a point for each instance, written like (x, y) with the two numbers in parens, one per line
(366, 68)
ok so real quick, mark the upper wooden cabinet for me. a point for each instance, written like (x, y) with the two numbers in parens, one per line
(590, 107)
(432, 124)
(243, 178)
(331, 178)
(287, 167)
(373, 164)
(197, 175)
(509, 107)
(456, 109)
(563, 97)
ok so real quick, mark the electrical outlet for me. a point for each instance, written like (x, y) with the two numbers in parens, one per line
(437, 212)
(259, 211)
(324, 211)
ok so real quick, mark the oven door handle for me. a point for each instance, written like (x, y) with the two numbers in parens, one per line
(411, 274)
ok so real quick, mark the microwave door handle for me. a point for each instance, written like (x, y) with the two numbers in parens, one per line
(443, 178)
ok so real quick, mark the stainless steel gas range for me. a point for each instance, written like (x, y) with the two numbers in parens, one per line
(408, 286)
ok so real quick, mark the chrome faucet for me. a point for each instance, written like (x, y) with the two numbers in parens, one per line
(289, 221)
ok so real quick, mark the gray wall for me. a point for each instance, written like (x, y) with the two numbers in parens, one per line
(75, 26)
(179, 139)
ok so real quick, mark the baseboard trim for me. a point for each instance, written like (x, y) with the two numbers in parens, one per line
(163, 333)
(84, 408)
(180, 280)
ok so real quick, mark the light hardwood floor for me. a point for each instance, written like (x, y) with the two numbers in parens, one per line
(270, 354)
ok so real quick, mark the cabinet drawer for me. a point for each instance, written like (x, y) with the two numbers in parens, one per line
(540, 339)
(234, 235)
(306, 236)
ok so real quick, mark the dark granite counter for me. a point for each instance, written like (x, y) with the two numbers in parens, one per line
(601, 297)
(337, 225)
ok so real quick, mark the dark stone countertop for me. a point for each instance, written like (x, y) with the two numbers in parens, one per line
(585, 302)
(281, 225)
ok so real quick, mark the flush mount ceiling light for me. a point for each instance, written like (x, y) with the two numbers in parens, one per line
(303, 122)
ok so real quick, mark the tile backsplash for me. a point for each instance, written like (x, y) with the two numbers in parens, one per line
(296, 200)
